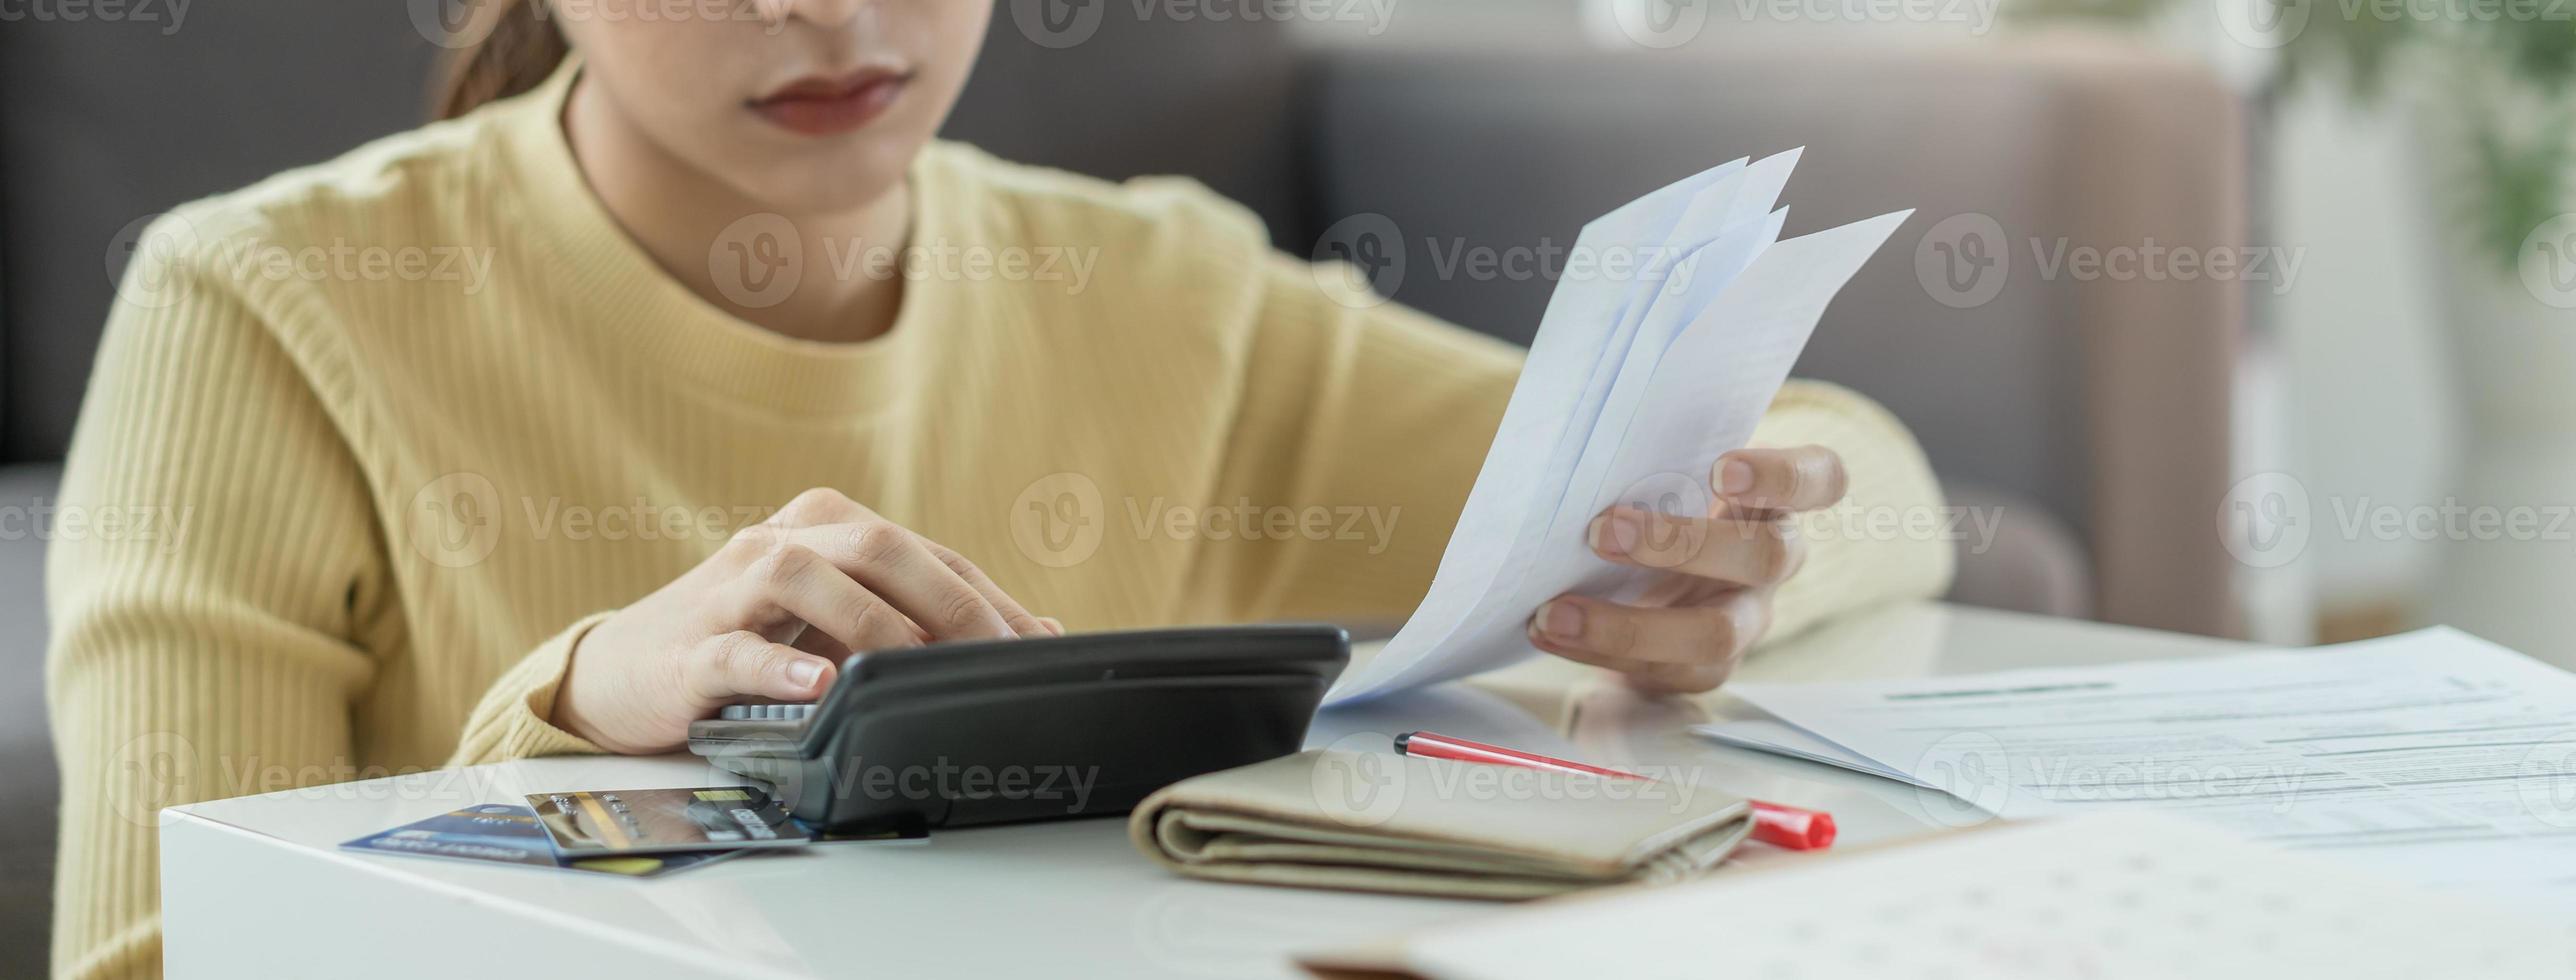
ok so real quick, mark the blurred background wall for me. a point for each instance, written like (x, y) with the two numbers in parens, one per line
(2177, 454)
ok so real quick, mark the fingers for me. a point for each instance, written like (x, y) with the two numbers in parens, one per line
(1742, 551)
(937, 593)
(792, 584)
(1798, 479)
(1013, 614)
(745, 664)
(1679, 648)
(818, 506)
(896, 565)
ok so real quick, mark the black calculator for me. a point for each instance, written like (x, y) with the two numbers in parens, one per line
(961, 734)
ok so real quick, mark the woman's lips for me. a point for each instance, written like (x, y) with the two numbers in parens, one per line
(820, 106)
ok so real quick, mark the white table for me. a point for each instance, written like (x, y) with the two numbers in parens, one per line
(256, 886)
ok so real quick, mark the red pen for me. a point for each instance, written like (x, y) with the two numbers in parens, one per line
(1779, 826)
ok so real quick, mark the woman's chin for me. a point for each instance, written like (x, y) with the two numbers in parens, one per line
(825, 183)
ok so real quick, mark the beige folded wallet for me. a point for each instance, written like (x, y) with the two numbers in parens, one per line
(1393, 823)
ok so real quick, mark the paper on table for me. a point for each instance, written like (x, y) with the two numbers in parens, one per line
(1703, 396)
(2435, 755)
(1780, 738)
(2127, 896)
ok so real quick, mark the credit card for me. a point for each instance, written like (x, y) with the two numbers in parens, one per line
(645, 821)
(503, 833)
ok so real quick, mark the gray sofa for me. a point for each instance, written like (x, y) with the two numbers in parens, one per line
(2093, 414)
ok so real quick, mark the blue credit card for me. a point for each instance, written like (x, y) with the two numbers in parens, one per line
(504, 833)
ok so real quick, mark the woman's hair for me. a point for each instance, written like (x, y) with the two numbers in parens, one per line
(518, 47)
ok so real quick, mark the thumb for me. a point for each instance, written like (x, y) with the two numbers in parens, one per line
(746, 664)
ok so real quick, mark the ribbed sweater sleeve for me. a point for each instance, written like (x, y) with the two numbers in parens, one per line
(207, 655)
(512, 720)
(215, 576)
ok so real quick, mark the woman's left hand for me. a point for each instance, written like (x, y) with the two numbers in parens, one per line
(1715, 600)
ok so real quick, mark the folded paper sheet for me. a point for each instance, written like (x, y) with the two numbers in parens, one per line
(1664, 342)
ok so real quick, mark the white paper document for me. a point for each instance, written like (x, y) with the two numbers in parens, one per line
(2129, 896)
(1675, 323)
(1783, 739)
(2435, 755)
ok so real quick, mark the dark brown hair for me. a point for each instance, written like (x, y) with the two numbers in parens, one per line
(516, 47)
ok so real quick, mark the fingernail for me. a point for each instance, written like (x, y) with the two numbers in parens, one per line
(1734, 476)
(1612, 532)
(804, 673)
(1560, 620)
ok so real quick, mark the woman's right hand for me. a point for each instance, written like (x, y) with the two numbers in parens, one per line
(769, 616)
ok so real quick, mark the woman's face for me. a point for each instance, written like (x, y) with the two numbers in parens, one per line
(802, 105)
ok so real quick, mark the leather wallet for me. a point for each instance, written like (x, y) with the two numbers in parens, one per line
(1391, 823)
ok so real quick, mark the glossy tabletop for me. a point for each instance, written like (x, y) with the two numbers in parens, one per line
(256, 885)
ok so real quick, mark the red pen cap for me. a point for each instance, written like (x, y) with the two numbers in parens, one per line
(1792, 828)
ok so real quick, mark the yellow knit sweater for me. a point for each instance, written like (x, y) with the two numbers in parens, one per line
(416, 417)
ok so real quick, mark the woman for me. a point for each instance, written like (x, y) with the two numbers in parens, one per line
(622, 475)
